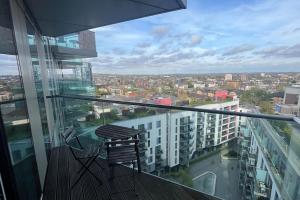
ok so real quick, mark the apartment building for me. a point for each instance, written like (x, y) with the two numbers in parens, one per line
(291, 101)
(182, 137)
(172, 138)
(217, 129)
(269, 164)
(228, 77)
(153, 138)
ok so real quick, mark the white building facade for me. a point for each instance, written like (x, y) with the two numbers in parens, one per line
(172, 138)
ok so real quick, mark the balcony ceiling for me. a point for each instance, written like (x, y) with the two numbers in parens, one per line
(56, 17)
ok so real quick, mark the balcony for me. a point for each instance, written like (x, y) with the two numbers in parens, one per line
(76, 45)
(185, 129)
(158, 152)
(62, 171)
(184, 143)
(186, 122)
(87, 126)
(192, 143)
(47, 50)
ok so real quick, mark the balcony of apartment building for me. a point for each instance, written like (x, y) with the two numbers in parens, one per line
(211, 123)
(225, 117)
(185, 123)
(31, 173)
(261, 187)
(73, 46)
(148, 185)
(232, 124)
(185, 129)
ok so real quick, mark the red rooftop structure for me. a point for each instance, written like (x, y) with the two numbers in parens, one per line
(163, 101)
(221, 95)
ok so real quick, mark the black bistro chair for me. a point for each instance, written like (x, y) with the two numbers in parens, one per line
(123, 152)
(85, 155)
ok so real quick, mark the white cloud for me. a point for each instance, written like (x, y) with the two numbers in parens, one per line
(252, 35)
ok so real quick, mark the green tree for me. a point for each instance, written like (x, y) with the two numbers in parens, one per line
(255, 96)
(266, 107)
(282, 127)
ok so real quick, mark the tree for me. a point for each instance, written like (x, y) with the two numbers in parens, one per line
(266, 107)
(255, 96)
(282, 127)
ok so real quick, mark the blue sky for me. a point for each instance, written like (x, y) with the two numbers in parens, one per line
(208, 36)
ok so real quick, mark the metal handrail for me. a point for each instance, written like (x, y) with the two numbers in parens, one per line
(181, 108)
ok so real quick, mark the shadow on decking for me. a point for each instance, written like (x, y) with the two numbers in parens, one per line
(62, 170)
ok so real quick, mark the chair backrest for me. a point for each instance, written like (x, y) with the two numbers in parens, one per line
(122, 151)
(72, 141)
(68, 135)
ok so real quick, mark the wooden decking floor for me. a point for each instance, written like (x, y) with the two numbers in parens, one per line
(62, 173)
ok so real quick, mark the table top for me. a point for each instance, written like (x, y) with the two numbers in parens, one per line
(116, 132)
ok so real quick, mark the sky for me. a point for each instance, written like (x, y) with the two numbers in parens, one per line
(210, 36)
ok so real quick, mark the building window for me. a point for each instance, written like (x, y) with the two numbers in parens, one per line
(148, 134)
(150, 159)
(158, 124)
(159, 132)
(176, 153)
(176, 137)
(175, 160)
(176, 130)
(149, 126)
(176, 121)
(158, 141)
(148, 143)
(141, 127)
(175, 145)
(151, 151)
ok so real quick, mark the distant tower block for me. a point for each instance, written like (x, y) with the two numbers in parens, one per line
(228, 77)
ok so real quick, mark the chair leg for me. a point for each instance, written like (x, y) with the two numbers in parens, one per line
(133, 165)
(85, 163)
(134, 184)
(87, 170)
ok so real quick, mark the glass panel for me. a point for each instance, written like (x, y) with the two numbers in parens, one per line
(180, 156)
(14, 113)
(226, 156)
(214, 153)
(38, 80)
(277, 145)
(19, 138)
(197, 62)
(10, 84)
